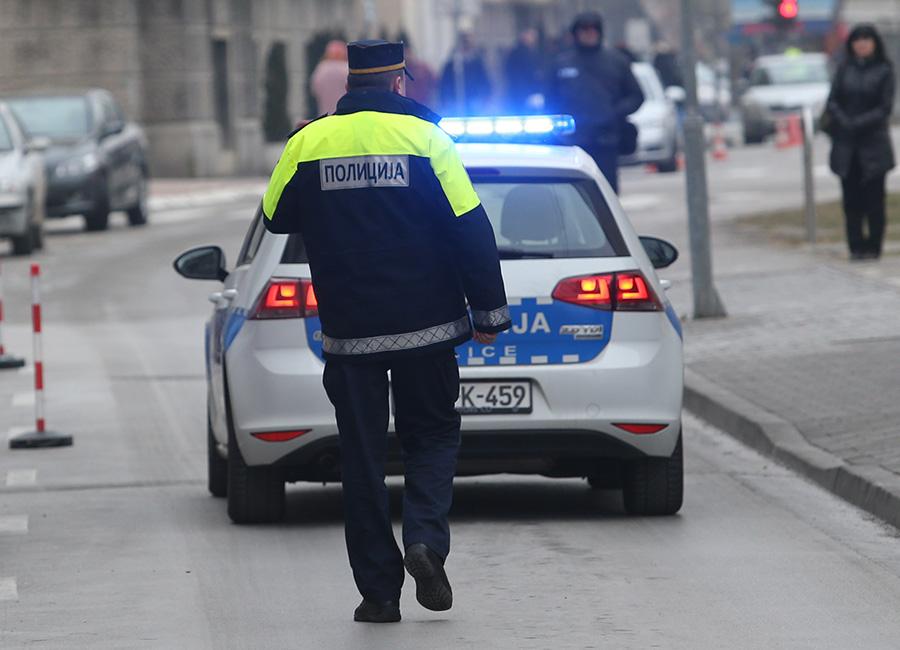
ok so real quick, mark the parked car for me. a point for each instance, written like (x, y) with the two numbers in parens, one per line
(96, 161)
(22, 186)
(657, 123)
(781, 85)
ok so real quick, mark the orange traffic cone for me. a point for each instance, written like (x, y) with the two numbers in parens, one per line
(719, 148)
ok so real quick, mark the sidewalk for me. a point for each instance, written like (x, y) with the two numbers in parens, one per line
(178, 193)
(807, 365)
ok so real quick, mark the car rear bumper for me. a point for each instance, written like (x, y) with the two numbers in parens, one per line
(638, 378)
(68, 197)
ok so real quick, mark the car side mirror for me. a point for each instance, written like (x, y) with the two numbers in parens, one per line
(37, 144)
(111, 128)
(676, 94)
(660, 252)
(202, 263)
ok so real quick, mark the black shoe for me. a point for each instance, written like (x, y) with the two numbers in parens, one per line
(432, 586)
(370, 611)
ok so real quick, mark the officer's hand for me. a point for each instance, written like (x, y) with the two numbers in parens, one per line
(484, 339)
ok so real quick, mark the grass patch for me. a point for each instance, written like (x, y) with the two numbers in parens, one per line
(788, 225)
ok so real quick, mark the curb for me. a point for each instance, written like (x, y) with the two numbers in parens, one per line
(872, 488)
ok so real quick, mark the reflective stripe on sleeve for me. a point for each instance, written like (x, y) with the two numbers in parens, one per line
(397, 342)
(491, 318)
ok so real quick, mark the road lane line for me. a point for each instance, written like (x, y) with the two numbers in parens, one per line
(21, 477)
(23, 399)
(14, 524)
(8, 589)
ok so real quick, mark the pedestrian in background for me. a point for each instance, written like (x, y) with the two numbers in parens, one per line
(329, 79)
(857, 118)
(522, 69)
(423, 86)
(466, 68)
(400, 249)
(596, 86)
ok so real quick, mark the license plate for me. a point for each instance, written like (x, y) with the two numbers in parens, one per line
(494, 397)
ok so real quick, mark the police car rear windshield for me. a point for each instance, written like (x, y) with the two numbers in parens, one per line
(535, 218)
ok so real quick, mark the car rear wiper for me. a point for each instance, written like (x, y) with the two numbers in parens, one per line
(518, 254)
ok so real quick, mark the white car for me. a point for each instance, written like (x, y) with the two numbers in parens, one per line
(588, 383)
(656, 121)
(782, 85)
(23, 186)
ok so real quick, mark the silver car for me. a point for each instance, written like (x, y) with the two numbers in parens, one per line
(657, 123)
(782, 85)
(22, 186)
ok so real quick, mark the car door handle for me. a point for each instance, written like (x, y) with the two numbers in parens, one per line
(215, 297)
(229, 294)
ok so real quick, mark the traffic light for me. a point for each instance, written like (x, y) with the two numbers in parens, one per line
(788, 10)
(785, 13)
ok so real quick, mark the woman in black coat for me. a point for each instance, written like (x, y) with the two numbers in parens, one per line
(859, 111)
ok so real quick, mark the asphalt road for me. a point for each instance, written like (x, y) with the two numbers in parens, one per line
(115, 543)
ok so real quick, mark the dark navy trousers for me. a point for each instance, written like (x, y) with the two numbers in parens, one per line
(425, 390)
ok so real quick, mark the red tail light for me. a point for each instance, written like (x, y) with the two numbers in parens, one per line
(286, 298)
(628, 291)
(589, 290)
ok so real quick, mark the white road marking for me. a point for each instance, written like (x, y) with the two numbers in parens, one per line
(20, 477)
(8, 589)
(23, 399)
(640, 201)
(544, 300)
(571, 358)
(14, 524)
(540, 358)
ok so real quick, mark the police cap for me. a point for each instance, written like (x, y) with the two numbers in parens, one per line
(374, 56)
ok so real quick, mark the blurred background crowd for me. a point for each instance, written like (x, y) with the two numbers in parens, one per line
(211, 81)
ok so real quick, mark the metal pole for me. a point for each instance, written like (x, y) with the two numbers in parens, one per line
(707, 303)
(809, 187)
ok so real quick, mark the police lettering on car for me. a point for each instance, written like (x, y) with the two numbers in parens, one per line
(399, 248)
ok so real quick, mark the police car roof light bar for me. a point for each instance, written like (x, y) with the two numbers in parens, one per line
(509, 128)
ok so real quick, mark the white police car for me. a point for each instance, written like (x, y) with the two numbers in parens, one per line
(588, 383)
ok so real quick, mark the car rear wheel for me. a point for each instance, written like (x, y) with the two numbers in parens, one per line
(98, 218)
(137, 214)
(255, 494)
(25, 243)
(216, 465)
(655, 486)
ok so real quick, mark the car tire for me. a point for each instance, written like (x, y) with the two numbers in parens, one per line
(137, 214)
(98, 218)
(255, 494)
(753, 137)
(217, 467)
(655, 486)
(669, 166)
(23, 244)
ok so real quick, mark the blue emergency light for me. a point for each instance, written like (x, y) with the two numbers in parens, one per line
(508, 128)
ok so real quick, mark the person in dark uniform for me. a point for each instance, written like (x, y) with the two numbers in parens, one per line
(398, 243)
(595, 85)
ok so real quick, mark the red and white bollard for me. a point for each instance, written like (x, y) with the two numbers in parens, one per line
(6, 360)
(40, 437)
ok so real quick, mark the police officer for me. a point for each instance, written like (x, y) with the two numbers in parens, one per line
(595, 85)
(398, 242)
